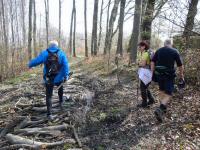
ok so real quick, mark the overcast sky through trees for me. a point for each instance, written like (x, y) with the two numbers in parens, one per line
(164, 27)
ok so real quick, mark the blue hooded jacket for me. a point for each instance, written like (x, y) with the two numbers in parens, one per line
(42, 58)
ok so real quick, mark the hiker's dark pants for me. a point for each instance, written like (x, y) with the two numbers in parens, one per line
(49, 93)
(145, 92)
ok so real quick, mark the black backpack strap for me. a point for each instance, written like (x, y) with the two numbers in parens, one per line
(48, 51)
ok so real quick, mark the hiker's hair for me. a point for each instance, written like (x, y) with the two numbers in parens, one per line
(143, 43)
(53, 43)
(168, 42)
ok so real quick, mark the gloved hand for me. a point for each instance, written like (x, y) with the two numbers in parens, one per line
(181, 83)
(65, 79)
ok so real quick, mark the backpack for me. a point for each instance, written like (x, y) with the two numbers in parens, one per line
(52, 64)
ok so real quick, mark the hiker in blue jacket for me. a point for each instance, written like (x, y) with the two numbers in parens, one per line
(55, 71)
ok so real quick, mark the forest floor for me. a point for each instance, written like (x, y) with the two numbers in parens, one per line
(99, 113)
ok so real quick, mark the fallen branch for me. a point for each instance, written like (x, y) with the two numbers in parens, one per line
(15, 139)
(34, 123)
(76, 137)
(18, 146)
(29, 130)
(53, 132)
(10, 126)
(23, 123)
(44, 109)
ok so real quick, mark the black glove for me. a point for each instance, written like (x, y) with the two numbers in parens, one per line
(181, 83)
(65, 79)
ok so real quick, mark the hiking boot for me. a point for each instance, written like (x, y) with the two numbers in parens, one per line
(143, 105)
(163, 108)
(150, 102)
(51, 117)
(159, 114)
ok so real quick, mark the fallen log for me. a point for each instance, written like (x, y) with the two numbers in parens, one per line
(15, 139)
(51, 132)
(76, 137)
(40, 104)
(28, 122)
(10, 126)
(44, 109)
(23, 123)
(50, 128)
(18, 146)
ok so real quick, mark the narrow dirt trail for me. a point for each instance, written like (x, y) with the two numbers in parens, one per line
(98, 114)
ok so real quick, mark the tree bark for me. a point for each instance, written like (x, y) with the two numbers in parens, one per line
(46, 2)
(147, 20)
(18, 36)
(30, 31)
(108, 39)
(85, 22)
(190, 21)
(107, 22)
(70, 35)
(136, 30)
(12, 34)
(121, 25)
(23, 21)
(94, 29)
(100, 26)
(60, 8)
(5, 34)
(34, 30)
(74, 33)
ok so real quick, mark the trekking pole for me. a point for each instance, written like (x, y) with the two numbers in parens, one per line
(70, 74)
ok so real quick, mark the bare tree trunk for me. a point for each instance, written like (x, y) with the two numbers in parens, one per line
(40, 30)
(34, 30)
(147, 21)
(12, 34)
(85, 21)
(30, 31)
(18, 37)
(94, 29)
(46, 2)
(144, 8)
(70, 35)
(190, 21)
(108, 39)
(107, 22)
(5, 34)
(23, 21)
(100, 26)
(136, 30)
(74, 33)
(60, 8)
(121, 25)
(1, 52)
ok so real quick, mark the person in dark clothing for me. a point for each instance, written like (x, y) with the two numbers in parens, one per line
(143, 60)
(163, 66)
(56, 70)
